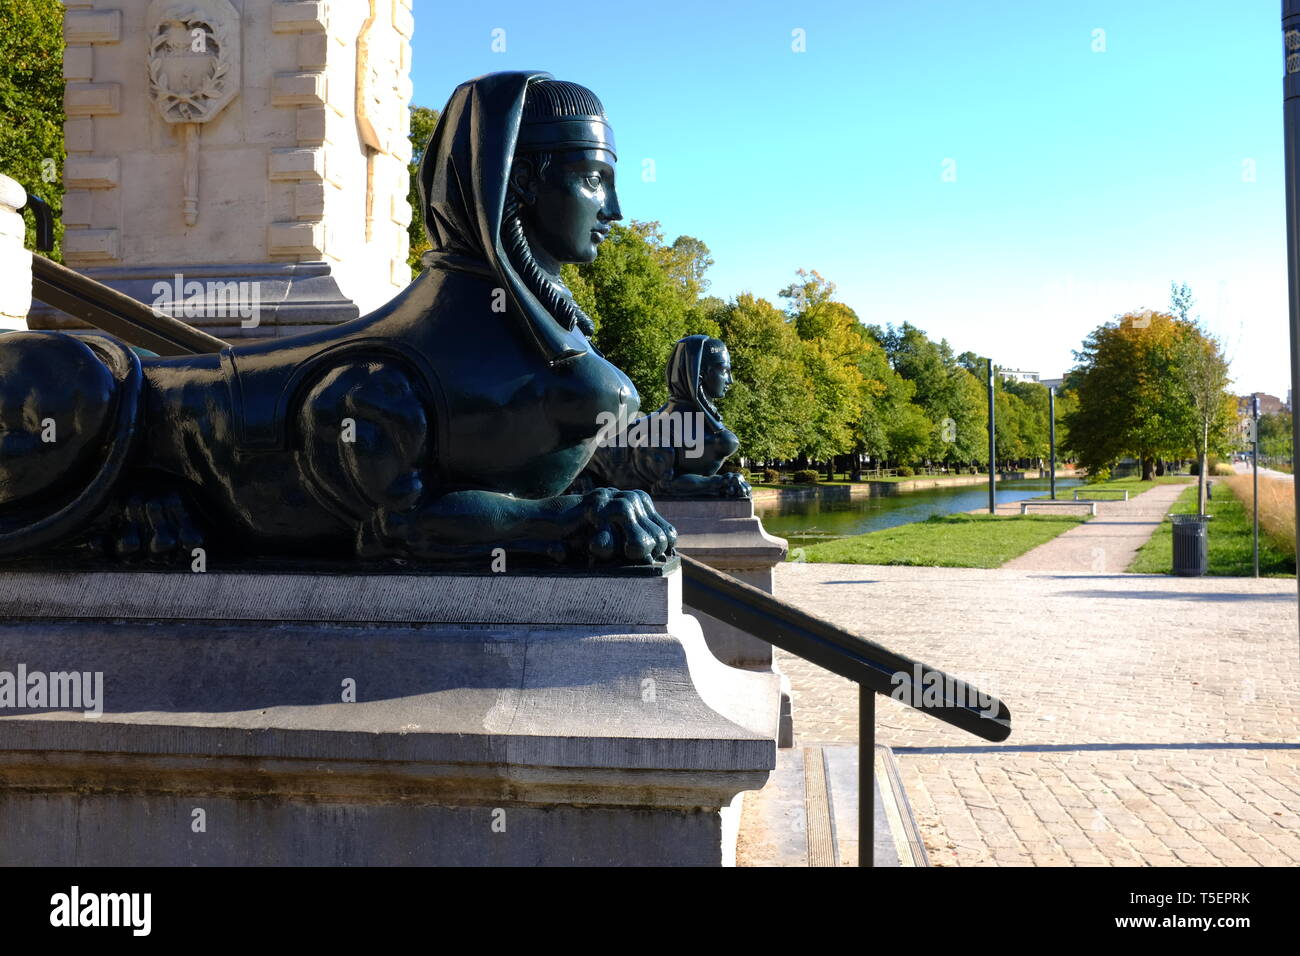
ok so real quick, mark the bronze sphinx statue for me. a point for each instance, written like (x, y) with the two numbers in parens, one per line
(677, 450)
(442, 426)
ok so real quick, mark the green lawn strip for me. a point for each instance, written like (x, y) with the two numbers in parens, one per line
(1230, 537)
(1134, 487)
(947, 541)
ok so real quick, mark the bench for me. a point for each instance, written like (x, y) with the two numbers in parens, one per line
(1108, 491)
(1090, 505)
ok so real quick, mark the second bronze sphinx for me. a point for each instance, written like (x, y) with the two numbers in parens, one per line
(676, 451)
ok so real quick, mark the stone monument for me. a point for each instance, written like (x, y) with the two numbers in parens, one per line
(329, 600)
(239, 166)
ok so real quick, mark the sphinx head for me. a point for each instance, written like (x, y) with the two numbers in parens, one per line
(562, 178)
(715, 369)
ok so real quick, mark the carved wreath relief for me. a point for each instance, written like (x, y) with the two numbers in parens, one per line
(193, 71)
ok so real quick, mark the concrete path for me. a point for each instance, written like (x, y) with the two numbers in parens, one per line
(1244, 469)
(1108, 542)
(1155, 719)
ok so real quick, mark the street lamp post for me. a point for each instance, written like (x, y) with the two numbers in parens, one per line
(1291, 137)
(993, 451)
(1051, 433)
(1254, 433)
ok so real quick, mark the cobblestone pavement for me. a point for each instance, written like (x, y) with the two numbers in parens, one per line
(1106, 543)
(1127, 694)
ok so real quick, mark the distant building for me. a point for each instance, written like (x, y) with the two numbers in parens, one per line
(1268, 404)
(1055, 383)
(1018, 375)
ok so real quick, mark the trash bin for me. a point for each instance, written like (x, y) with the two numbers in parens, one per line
(1191, 553)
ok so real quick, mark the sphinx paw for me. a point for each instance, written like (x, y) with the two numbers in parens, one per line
(155, 529)
(623, 527)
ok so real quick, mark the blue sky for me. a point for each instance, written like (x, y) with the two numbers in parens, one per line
(1084, 180)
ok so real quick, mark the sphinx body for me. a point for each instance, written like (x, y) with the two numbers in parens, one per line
(445, 425)
(677, 450)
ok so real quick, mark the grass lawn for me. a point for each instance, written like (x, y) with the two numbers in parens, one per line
(946, 541)
(1134, 486)
(1229, 541)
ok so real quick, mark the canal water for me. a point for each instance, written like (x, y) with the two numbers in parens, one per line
(808, 520)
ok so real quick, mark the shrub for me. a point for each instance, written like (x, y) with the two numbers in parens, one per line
(905, 472)
(771, 476)
(1224, 469)
(807, 476)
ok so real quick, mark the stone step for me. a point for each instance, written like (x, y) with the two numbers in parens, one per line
(807, 815)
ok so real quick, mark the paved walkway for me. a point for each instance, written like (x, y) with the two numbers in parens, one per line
(1155, 719)
(1108, 542)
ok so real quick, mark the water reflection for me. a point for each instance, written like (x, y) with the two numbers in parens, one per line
(806, 521)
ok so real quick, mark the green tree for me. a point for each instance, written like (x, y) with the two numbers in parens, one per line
(1132, 393)
(1204, 374)
(31, 103)
(771, 397)
(423, 121)
(638, 307)
(832, 351)
(1275, 437)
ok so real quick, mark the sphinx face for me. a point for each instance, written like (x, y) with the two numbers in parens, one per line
(575, 204)
(715, 376)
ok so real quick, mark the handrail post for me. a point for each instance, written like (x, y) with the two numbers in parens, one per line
(866, 776)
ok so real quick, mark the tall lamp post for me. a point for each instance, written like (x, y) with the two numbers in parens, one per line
(1254, 460)
(1291, 137)
(1051, 433)
(993, 451)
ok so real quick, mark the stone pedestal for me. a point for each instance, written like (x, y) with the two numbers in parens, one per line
(728, 536)
(351, 719)
(15, 260)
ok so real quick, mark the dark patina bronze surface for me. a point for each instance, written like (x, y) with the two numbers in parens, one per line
(443, 426)
(677, 450)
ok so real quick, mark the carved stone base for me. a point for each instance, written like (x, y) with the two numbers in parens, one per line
(728, 536)
(267, 301)
(374, 719)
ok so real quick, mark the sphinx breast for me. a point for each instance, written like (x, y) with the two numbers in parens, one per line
(515, 424)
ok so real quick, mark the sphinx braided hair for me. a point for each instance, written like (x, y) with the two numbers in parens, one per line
(554, 296)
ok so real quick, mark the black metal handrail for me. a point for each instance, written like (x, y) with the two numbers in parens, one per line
(117, 313)
(874, 668)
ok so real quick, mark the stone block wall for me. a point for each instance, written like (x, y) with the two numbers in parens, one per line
(306, 162)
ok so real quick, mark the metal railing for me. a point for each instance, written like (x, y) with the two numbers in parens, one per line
(873, 667)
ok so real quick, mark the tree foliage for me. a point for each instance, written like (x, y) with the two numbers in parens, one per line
(1134, 383)
(423, 120)
(31, 102)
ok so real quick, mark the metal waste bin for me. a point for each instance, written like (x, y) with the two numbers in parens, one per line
(1191, 551)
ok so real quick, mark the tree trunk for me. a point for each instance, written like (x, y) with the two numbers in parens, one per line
(1205, 456)
(1148, 469)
